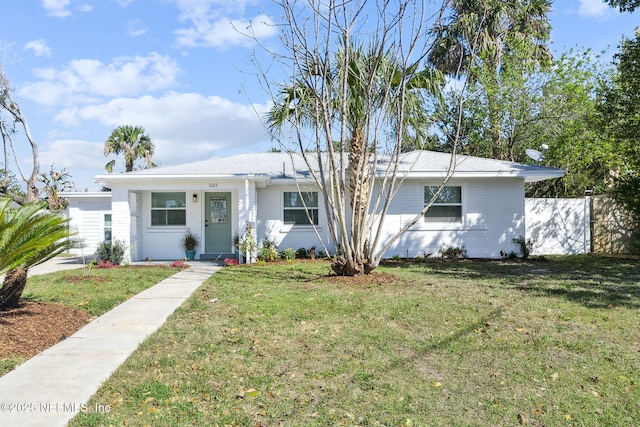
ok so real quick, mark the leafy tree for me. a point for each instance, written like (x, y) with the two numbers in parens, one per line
(10, 116)
(133, 143)
(624, 5)
(488, 41)
(516, 92)
(10, 185)
(29, 236)
(619, 107)
(55, 182)
(555, 106)
(355, 98)
(567, 121)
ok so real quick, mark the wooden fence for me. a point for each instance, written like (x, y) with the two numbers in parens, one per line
(613, 230)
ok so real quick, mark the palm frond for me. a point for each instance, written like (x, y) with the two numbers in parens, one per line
(31, 235)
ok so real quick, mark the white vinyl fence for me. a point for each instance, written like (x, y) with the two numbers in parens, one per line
(558, 226)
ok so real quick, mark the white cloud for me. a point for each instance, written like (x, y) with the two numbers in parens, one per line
(85, 80)
(73, 154)
(593, 8)
(135, 28)
(183, 126)
(220, 23)
(39, 48)
(83, 160)
(57, 8)
(226, 33)
(60, 8)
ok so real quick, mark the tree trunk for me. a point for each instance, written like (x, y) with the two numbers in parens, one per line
(12, 287)
(343, 266)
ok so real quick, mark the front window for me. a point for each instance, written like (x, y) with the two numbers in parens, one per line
(107, 227)
(301, 208)
(447, 207)
(168, 209)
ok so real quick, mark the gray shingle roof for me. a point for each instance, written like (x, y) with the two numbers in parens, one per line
(419, 164)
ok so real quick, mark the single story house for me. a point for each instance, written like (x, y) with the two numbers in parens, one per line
(482, 208)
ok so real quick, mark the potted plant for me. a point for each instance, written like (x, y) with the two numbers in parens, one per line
(189, 244)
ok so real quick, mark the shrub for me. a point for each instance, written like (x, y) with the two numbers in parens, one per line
(301, 253)
(526, 246)
(453, 252)
(111, 251)
(268, 251)
(268, 254)
(289, 254)
(508, 255)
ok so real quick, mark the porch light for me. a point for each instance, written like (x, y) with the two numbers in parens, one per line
(195, 198)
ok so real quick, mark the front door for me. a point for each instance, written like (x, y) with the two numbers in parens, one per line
(217, 223)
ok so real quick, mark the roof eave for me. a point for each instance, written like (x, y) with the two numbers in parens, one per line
(85, 194)
(529, 176)
(126, 178)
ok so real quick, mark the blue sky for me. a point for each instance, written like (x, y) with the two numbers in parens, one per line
(178, 68)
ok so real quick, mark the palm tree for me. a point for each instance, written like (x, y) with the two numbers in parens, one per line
(133, 143)
(29, 236)
(359, 90)
(479, 34)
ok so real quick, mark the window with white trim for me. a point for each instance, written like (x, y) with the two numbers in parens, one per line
(301, 208)
(168, 209)
(107, 227)
(447, 207)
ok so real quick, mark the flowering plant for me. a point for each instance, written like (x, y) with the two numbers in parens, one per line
(105, 264)
(178, 264)
(230, 262)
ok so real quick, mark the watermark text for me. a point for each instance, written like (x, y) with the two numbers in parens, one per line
(50, 407)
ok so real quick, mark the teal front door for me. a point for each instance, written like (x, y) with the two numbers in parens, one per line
(217, 223)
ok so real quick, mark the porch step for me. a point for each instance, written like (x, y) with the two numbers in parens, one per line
(218, 257)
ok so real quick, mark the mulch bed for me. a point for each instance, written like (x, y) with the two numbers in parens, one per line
(32, 327)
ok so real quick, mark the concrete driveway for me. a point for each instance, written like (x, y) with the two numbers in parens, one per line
(59, 263)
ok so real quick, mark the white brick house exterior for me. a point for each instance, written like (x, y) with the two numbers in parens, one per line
(215, 199)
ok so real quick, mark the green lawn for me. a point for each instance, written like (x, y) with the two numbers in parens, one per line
(95, 290)
(465, 343)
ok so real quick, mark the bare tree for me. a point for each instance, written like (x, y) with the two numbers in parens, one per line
(10, 117)
(359, 88)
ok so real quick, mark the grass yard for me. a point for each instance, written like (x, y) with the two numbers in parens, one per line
(469, 343)
(96, 291)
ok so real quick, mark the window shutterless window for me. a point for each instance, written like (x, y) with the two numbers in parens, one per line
(168, 209)
(300, 207)
(447, 207)
(107, 227)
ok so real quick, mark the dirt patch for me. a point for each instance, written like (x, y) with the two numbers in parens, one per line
(33, 327)
(375, 278)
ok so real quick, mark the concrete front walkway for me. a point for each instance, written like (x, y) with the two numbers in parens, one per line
(54, 386)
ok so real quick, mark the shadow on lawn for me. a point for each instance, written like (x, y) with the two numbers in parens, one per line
(593, 281)
(476, 327)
